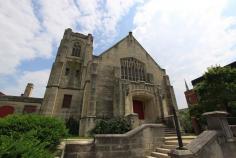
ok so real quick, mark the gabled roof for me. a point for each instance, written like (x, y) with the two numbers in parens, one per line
(126, 37)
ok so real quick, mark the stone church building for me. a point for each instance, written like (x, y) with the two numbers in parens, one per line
(122, 81)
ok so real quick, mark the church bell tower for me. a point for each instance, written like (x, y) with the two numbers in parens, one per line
(64, 92)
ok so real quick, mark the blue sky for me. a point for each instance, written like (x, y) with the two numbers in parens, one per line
(184, 37)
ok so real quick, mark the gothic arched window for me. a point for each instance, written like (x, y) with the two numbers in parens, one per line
(76, 49)
(132, 69)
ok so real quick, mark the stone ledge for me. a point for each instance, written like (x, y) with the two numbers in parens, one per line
(130, 133)
(21, 99)
(198, 144)
(202, 140)
(216, 114)
(78, 141)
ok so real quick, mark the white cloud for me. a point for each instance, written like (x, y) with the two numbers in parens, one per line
(186, 37)
(30, 28)
(38, 78)
(115, 11)
(102, 17)
(57, 15)
(19, 40)
(94, 16)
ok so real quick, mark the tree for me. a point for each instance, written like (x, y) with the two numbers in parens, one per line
(185, 120)
(217, 89)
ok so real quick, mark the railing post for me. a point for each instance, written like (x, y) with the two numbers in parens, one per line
(216, 120)
(180, 142)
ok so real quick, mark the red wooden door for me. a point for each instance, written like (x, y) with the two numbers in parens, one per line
(138, 109)
(6, 110)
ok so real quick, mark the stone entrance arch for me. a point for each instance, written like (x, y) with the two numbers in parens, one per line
(143, 103)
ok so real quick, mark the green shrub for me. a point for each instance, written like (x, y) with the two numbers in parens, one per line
(197, 111)
(47, 129)
(26, 146)
(30, 136)
(112, 126)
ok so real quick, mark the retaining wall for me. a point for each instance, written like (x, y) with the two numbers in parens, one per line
(136, 143)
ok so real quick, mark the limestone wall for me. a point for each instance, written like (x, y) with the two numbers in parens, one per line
(111, 91)
(76, 104)
(19, 103)
(79, 150)
(105, 90)
(129, 47)
(136, 143)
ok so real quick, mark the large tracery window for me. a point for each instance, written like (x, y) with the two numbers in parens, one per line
(76, 49)
(132, 69)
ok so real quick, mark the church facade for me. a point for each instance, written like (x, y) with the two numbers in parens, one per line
(122, 81)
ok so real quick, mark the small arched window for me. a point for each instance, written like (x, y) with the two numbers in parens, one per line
(76, 49)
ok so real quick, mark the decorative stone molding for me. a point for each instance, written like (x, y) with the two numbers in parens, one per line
(134, 120)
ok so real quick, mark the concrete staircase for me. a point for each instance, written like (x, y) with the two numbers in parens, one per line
(170, 142)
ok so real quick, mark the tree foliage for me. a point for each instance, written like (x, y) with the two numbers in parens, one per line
(217, 89)
(185, 120)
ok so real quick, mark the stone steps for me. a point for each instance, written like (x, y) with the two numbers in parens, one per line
(170, 135)
(183, 137)
(165, 146)
(160, 155)
(163, 150)
(150, 157)
(170, 132)
(175, 142)
(170, 142)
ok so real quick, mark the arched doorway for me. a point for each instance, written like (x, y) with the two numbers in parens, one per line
(138, 108)
(6, 110)
(145, 106)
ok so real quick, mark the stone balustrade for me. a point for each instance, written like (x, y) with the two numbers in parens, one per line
(216, 142)
(136, 143)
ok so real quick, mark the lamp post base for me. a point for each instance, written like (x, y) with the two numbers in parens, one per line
(181, 148)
